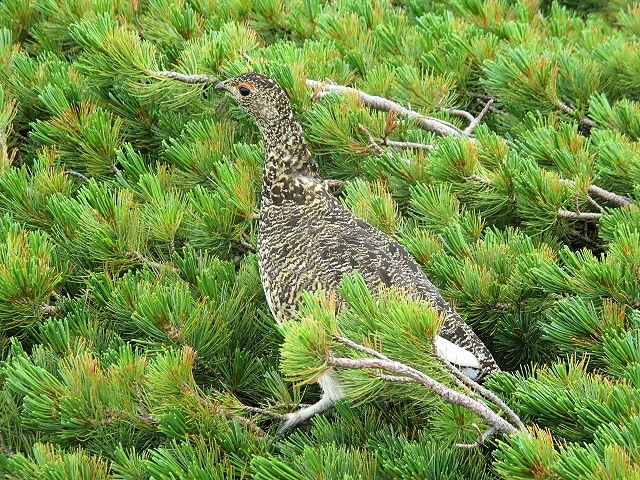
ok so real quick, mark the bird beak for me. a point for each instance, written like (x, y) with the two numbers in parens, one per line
(221, 85)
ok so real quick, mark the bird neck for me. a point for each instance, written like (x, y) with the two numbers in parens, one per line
(286, 149)
(290, 171)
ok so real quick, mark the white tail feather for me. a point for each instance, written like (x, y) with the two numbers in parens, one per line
(455, 354)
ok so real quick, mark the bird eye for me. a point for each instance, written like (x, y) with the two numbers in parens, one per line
(244, 91)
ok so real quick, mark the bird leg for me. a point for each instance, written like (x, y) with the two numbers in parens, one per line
(331, 393)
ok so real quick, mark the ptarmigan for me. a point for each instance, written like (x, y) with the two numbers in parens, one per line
(308, 240)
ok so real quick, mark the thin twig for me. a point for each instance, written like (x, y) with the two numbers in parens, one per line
(379, 103)
(4, 151)
(578, 215)
(479, 96)
(589, 241)
(459, 113)
(482, 438)
(610, 196)
(393, 378)
(485, 392)
(73, 173)
(479, 179)
(594, 203)
(245, 241)
(6, 451)
(482, 98)
(416, 146)
(150, 263)
(47, 309)
(147, 419)
(17, 134)
(476, 121)
(584, 121)
(205, 402)
(264, 411)
(241, 420)
(376, 143)
(192, 79)
(361, 348)
(372, 141)
(492, 109)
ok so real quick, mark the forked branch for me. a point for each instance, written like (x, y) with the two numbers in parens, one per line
(377, 143)
(394, 371)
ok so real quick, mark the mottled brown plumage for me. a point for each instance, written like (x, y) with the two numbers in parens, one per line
(309, 240)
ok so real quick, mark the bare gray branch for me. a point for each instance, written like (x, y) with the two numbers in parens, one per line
(379, 103)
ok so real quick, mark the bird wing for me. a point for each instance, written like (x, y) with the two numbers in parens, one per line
(353, 244)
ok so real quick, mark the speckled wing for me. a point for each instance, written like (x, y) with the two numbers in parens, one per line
(352, 244)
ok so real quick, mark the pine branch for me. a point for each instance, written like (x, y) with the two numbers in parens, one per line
(479, 179)
(379, 103)
(594, 189)
(485, 392)
(482, 438)
(6, 451)
(152, 264)
(464, 379)
(393, 378)
(377, 143)
(459, 113)
(191, 79)
(416, 146)
(445, 393)
(584, 121)
(77, 175)
(578, 215)
(605, 194)
(264, 411)
(4, 152)
(428, 123)
(47, 309)
(205, 402)
(610, 196)
(401, 371)
(476, 121)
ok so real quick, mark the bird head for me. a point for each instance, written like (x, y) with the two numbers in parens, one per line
(260, 96)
